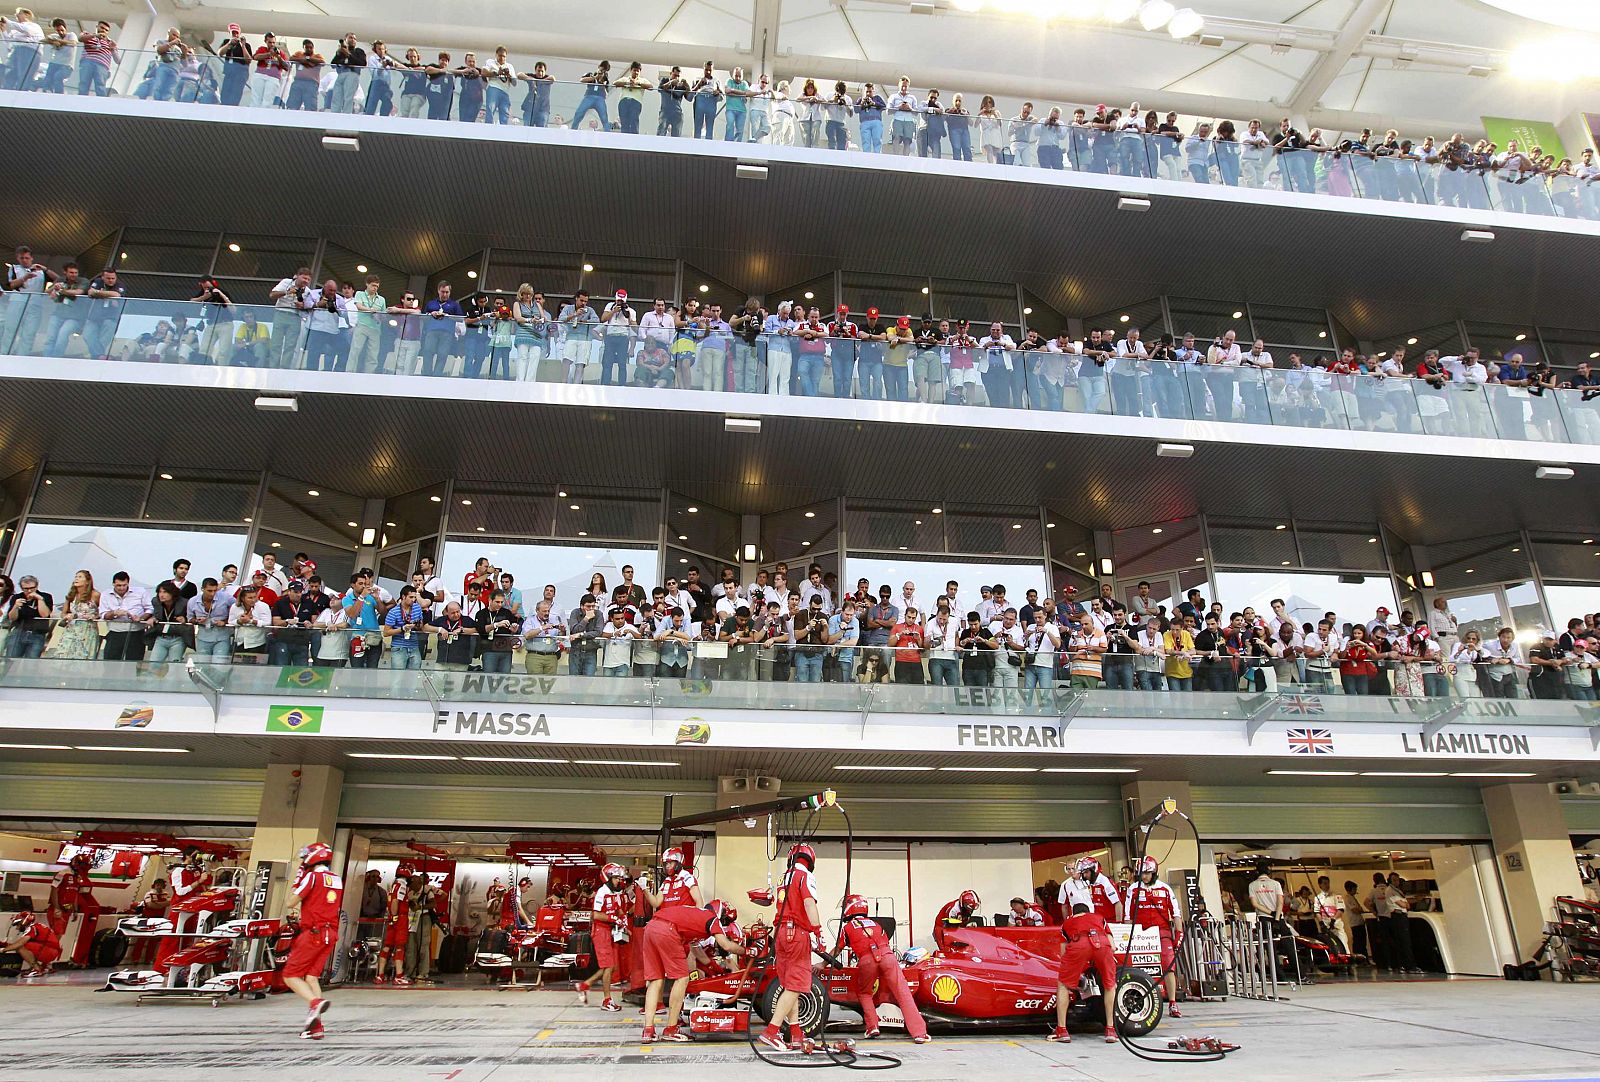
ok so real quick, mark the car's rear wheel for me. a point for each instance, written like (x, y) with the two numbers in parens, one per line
(1138, 1002)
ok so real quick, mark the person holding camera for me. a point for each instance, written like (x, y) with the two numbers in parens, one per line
(596, 86)
(619, 320)
(325, 319)
(288, 320)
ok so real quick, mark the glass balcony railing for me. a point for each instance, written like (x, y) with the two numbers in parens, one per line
(710, 675)
(447, 90)
(528, 347)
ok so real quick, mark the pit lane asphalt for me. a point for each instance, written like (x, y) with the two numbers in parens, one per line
(1460, 1030)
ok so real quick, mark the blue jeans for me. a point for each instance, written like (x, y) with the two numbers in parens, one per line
(23, 65)
(93, 78)
(409, 659)
(1118, 673)
(807, 668)
(288, 653)
(380, 97)
(618, 670)
(1093, 389)
(808, 370)
(1038, 676)
(436, 346)
(345, 83)
(471, 103)
(1180, 683)
(844, 368)
(497, 661)
(942, 672)
(628, 110)
(499, 107)
(733, 125)
(582, 664)
(871, 370)
(30, 644)
(302, 95)
(894, 380)
(872, 136)
(1150, 681)
(164, 84)
(1039, 390)
(235, 77)
(837, 138)
(218, 649)
(477, 349)
(166, 648)
(593, 102)
(1228, 163)
(614, 357)
(960, 142)
(55, 78)
(705, 115)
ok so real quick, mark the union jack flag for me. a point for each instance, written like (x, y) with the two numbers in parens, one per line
(1301, 704)
(1310, 741)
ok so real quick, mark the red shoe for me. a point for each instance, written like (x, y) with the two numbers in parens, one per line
(319, 1007)
(924, 1039)
(870, 1034)
(380, 979)
(610, 1007)
(313, 1032)
(1060, 1035)
(648, 1036)
(1111, 1035)
(676, 1035)
(402, 982)
(772, 1041)
(1173, 1012)
(583, 993)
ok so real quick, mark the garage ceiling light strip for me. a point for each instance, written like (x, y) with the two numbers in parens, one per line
(397, 755)
(1090, 770)
(1494, 774)
(152, 749)
(38, 747)
(1405, 773)
(991, 769)
(620, 762)
(507, 759)
(858, 766)
(1316, 773)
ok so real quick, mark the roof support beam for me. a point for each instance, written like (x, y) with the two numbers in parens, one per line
(765, 19)
(1328, 65)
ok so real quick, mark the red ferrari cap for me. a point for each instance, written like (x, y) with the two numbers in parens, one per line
(844, 309)
(872, 313)
(904, 322)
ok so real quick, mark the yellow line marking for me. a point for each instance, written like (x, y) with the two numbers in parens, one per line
(545, 1034)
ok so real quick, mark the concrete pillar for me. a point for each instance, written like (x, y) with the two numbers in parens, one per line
(1172, 844)
(1534, 852)
(136, 39)
(741, 862)
(299, 805)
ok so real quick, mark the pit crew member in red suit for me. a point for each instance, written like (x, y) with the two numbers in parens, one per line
(314, 902)
(678, 884)
(957, 913)
(665, 956)
(396, 932)
(879, 978)
(189, 880)
(612, 906)
(71, 892)
(35, 941)
(1090, 886)
(1088, 944)
(797, 928)
(1151, 904)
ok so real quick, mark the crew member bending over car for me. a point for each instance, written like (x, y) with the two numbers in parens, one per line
(36, 943)
(1088, 944)
(1151, 904)
(956, 913)
(1024, 914)
(879, 978)
(666, 957)
(1091, 887)
(314, 901)
(797, 928)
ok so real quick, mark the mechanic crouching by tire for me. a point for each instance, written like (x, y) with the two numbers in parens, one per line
(667, 939)
(796, 928)
(878, 975)
(1088, 944)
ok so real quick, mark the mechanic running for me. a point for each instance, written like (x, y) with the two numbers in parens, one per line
(314, 902)
(878, 978)
(667, 939)
(609, 924)
(1088, 944)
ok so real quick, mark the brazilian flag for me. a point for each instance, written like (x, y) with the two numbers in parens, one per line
(294, 719)
(304, 679)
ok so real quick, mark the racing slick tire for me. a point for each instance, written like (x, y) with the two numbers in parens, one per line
(814, 1006)
(107, 948)
(1138, 1002)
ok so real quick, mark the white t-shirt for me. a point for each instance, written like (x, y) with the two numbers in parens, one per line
(1266, 895)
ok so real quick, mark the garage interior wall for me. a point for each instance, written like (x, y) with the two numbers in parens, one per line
(1276, 813)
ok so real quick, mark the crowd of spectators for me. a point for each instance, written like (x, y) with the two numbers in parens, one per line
(793, 349)
(808, 631)
(346, 77)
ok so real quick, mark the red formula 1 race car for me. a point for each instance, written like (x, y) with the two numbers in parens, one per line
(983, 978)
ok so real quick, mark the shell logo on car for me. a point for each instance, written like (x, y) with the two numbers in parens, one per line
(945, 988)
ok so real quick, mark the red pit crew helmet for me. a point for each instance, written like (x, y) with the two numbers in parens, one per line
(314, 854)
(1147, 864)
(803, 852)
(613, 871)
(970, 900)
(1087, 868)
(855, 906)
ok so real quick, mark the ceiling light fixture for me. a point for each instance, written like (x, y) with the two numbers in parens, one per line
(864, 766)
(1315, 773)
(153, 750)
(990, 769)
(361, 268)
(234, 247)
(1185, 23)
(1156, 13)
(588, 268)
(506, 759)
(1090, 770)
(620, 762)
(399, 755)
